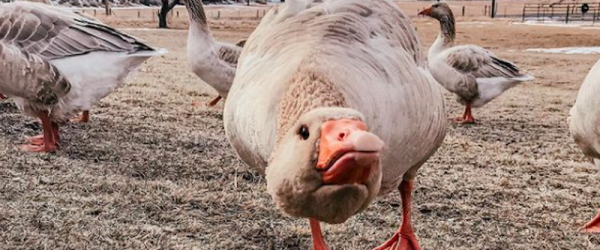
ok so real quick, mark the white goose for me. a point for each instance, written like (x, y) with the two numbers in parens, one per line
(475, 75)
(347, 77)
(585, 126)
(95, 58)
(214, 62)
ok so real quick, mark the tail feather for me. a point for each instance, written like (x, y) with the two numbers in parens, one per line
(523, 78)
(150, 53)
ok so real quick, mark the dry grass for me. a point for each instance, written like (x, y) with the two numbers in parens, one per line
(152, 172)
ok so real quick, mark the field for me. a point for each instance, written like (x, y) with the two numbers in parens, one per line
(150, 171)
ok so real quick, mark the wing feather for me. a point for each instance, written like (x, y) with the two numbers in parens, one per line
(56, 33)
(481, 63)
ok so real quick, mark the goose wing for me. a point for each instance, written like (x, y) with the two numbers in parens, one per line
(481, 63)
(56, 33)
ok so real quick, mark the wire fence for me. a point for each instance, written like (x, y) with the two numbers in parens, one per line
(178, 13)
(583, 12)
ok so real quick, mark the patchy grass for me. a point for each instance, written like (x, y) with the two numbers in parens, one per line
(152, 172)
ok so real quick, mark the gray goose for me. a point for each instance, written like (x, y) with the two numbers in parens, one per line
(346, 78)
(475, 75)
(95, 58)
(212, 61)
(585, 126)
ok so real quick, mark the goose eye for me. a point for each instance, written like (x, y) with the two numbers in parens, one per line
(303, 132)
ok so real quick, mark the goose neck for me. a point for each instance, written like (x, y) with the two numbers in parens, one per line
(447, 29)
(196, 12)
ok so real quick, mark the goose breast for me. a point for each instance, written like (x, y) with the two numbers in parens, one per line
(585, 115)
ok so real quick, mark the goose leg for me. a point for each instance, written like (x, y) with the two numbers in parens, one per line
(83, 118)
(214, 101)
(405, 238)
(49, 143)
(593, 226)
(210, 104)
(467, 117)
(39, 139)
(317, 236)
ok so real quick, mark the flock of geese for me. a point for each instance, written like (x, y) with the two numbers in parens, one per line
(349, 110)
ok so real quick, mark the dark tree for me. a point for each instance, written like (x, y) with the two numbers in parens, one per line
(106, 7)
(164, 10)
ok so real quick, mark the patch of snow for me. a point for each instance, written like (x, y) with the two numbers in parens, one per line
(152, 29)
(474, 22)
(553, 23)
(568, 50)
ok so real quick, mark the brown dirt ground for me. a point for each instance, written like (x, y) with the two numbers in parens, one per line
(152, 172)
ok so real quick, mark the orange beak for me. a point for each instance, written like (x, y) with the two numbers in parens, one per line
(426, 12)
(347, 152)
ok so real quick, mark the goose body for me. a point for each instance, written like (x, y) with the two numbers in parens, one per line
(584, 124)
(95, 58)
(213, 61)
(350, 66)
(475, 75)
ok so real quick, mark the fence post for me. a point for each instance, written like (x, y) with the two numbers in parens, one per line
(523, 18)
(139, 14)
(218, 14)
(568, 12)
(463, 11)
(544, 15)
(538, 11)
(94, 12)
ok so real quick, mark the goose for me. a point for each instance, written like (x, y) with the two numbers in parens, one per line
(212, 61)
(39, 84)
(584, 125)
(475, 75)
(340, 119)
(95, 58)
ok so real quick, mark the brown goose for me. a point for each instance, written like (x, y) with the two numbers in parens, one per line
(475, 75)
(345, 78)
(41, 87)
(585, 126)
(95, 58)
(214, 62)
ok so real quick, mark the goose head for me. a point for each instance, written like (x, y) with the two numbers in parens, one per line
(438, 10)
(326, 166)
